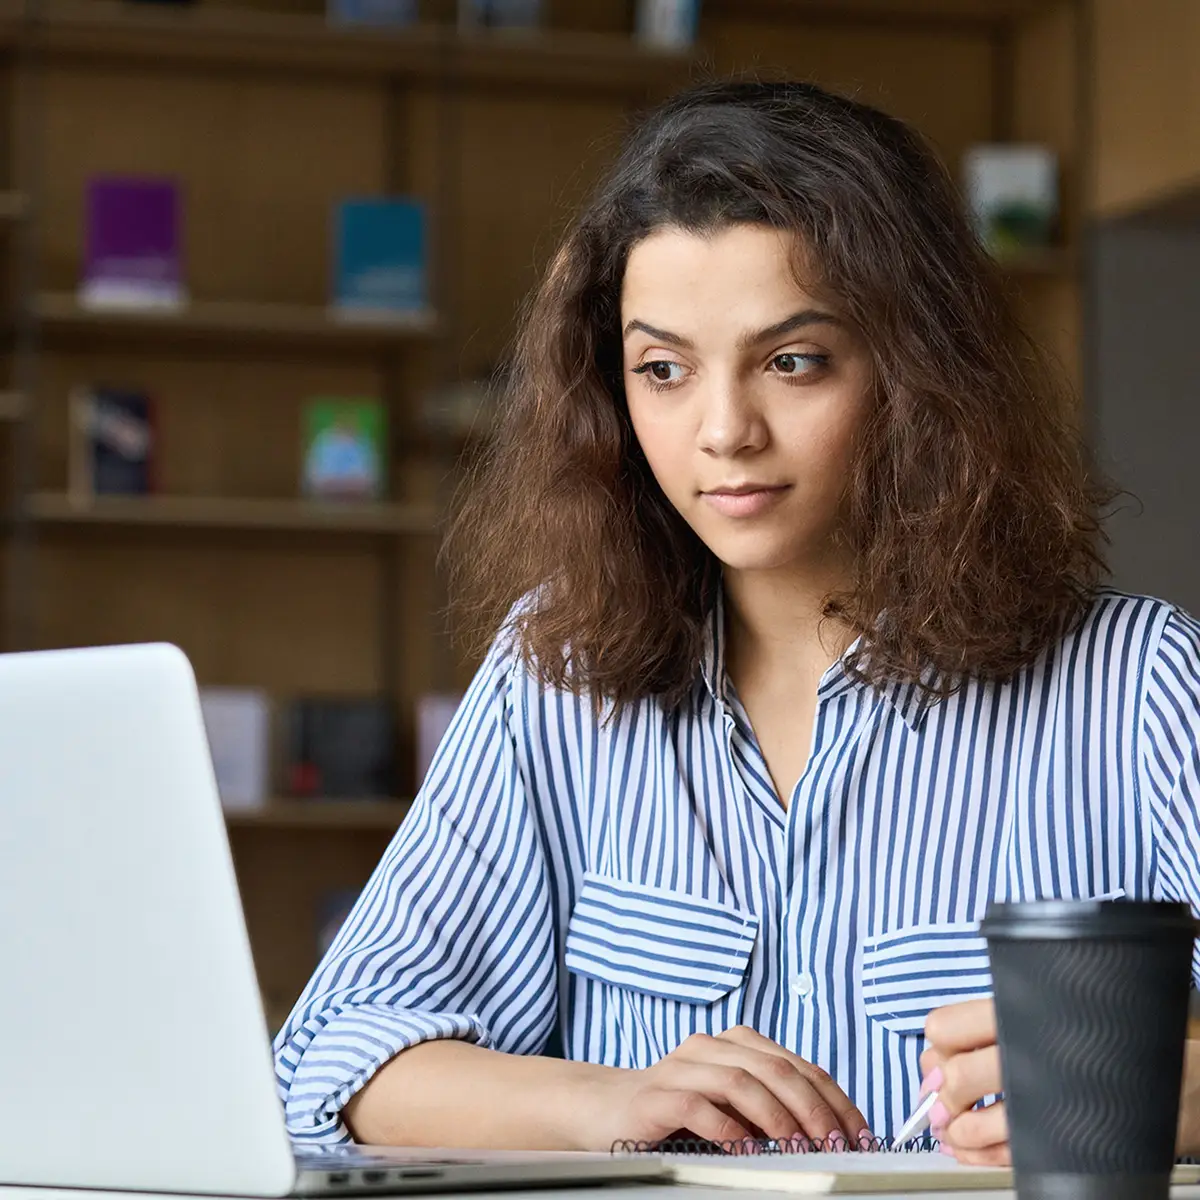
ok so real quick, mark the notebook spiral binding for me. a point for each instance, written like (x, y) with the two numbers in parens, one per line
(792, 1145)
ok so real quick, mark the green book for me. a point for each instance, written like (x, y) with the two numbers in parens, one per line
(344, 449)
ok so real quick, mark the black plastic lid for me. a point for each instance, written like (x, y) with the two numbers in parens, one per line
(1043, 920)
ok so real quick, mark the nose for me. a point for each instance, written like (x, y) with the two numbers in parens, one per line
(730, 422)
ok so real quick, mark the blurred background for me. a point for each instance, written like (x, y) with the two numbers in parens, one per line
(265, 258)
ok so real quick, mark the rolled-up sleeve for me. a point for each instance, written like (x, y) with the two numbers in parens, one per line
(1171, 763)
(452, 937)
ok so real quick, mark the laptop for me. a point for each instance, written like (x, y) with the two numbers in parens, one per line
(134, 1051)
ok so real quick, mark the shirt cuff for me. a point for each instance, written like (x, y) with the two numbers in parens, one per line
(347, 1052)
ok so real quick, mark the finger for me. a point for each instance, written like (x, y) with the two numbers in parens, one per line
(957, 1027)
(993, 1156)
(673, 1109)
(848, 1118)
(979, 1129)
(966, 1079)
(733, 1085)
(931, 1059)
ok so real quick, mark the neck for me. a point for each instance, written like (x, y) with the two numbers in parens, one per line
(776, 622)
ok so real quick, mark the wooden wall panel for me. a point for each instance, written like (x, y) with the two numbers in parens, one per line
(1045, 99)
(288, 613)
(1145, 96)
(1045, 94)
(942, 82)
(525, 165)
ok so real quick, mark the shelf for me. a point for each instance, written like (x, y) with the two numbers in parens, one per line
(959, 12)
(227, 323)
(201, 512)
(321, 814)
(109, 31)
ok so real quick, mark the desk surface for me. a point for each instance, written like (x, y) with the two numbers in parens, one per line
(625, 1191)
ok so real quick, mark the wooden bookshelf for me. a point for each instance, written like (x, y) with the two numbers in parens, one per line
(219, 512)
(321, 815)
(208, 323)
(109, 31)
(267, 119)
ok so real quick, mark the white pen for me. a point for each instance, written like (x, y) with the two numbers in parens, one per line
(917, 1123)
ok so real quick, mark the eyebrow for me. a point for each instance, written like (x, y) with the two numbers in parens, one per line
(798, 320)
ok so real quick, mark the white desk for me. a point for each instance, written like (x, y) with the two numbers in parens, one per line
(624, 1191)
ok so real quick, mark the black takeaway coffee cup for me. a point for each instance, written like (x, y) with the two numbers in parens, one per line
(1091, 1008)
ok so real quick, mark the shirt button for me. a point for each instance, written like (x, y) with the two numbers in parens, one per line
(802, 985)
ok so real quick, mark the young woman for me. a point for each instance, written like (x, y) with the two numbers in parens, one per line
(787, 559)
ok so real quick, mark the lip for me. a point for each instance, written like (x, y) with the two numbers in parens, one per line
(745, 499)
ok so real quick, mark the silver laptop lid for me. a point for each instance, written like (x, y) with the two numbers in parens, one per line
(133, 1047)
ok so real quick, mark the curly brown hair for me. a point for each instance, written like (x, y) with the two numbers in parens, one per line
(970, 512)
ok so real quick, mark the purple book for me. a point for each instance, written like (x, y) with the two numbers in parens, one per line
(133, 255)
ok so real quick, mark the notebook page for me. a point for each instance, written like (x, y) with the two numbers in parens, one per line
(826, 1173)
(831, 1173)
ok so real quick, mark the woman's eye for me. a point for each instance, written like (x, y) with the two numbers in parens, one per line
(660, 370)
(798, 364)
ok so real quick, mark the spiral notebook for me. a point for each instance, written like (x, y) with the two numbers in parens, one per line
(813, 1168)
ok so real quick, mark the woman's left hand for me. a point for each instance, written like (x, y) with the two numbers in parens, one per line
(963, 1065)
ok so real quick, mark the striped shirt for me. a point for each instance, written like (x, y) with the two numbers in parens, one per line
(621, 884)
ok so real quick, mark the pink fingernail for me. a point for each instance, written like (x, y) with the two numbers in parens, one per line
(865, 1138)
(932, 1082)
(938, 1116)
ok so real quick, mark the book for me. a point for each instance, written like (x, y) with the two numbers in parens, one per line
(499, 14)
(344, 449)
(670, 24)
(380, 258)
(132, 244)
(237, 721)
(340, 749)
(1012, 195)
(112, 441)
(373, 12)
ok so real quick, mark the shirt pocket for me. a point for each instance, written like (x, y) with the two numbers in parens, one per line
(657, 941)
(911, 971)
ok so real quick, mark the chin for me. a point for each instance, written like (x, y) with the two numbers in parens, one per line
(740, 556)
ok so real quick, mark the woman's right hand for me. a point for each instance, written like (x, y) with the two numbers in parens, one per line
(736, 1085)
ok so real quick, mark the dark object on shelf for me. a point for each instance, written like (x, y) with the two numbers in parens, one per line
(112, 447)
(499, 14)
(340, 749)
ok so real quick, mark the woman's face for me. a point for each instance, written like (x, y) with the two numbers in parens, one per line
(745, 392)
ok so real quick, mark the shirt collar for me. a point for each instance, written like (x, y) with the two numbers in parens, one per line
(910, 701)
(712, 658)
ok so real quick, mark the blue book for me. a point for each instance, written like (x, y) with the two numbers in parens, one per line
(380, 257)
(373, 12)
